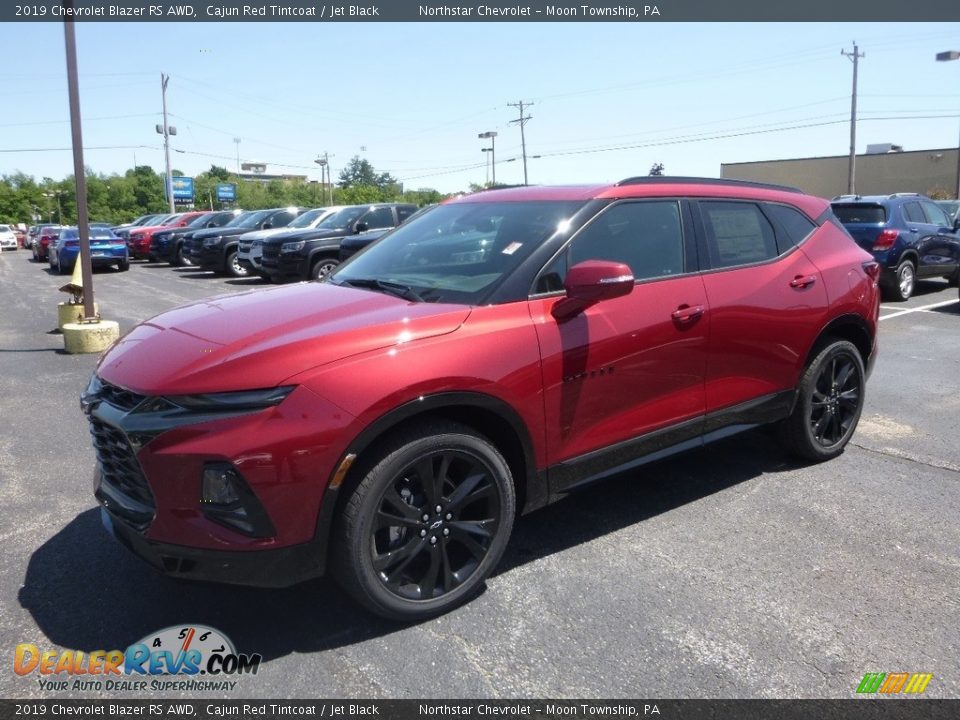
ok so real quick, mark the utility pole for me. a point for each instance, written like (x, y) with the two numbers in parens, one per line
(166, 131)
(522, 120)
(324, 163)
(237, 141)
(854, 56)
(79, 173)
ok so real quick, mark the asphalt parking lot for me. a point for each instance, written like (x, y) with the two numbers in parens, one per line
(729, 572)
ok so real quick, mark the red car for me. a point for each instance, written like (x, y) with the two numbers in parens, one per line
(139, 239)
(483, 360)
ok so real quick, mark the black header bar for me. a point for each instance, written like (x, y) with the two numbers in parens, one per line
(489, 11)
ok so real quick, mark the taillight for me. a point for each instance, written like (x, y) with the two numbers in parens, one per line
(886, 239)
(72, 243)
(872, 269)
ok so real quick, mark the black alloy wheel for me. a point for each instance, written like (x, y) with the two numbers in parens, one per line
(829, 403)
(427, 523)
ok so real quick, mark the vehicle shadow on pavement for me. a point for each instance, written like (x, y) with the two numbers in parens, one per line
(88, 593)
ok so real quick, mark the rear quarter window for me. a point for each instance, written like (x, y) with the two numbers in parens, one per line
(793, 223)
(866, 214)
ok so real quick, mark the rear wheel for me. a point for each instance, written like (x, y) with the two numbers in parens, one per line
(904, 281)
(123, 265)
(829, 403)
(427, 523)
(323, 267)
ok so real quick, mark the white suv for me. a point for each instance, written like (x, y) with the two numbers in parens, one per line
(8, 239)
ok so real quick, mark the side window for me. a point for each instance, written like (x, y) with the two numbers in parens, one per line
(405, 211)
(381, 217)
(737, 234)
(935, 215)
(282, 219)
(646, 236)
(913, 213)
(795, 224)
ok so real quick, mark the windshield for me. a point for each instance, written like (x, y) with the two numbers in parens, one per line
(456, 253)
(95, 234)
(342, 219)
(171, 219)
(199, 221)
(249, 220)
(308, 218)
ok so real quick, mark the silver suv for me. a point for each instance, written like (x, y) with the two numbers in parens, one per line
(250, 250)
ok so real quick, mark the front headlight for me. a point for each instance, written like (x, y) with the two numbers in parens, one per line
(210, 242)
(230, 401)
(292, 246)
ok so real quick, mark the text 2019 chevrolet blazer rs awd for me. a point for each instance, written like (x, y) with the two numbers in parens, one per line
(478, 362)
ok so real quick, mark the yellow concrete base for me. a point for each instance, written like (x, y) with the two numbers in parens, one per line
(89, 337)
(70, 313)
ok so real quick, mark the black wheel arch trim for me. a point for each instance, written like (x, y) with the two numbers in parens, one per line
(838, 324)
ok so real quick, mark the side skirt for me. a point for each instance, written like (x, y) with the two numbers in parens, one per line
(575, 473)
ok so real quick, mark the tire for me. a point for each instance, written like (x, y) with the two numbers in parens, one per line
(123, 265)
(60, 269)
(179, 259)
(234, 268)
(402, 567)
(904, 281)
(954, 279)
(323, 267)
(829, 403)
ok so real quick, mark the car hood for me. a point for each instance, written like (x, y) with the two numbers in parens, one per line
(221, 231)
(264, 234)
(261, 338)
(309, 234)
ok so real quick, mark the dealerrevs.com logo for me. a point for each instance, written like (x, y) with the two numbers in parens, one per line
(183, 652)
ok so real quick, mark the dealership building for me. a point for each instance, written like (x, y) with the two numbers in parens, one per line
(884, 169)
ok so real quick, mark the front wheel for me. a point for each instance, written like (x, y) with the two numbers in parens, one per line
(123, 265)
(427, 523)
(234, 268)
(323, 267)
(829, 403)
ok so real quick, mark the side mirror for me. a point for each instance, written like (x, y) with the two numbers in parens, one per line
(361, 227)
(591, 282)
(956, 224)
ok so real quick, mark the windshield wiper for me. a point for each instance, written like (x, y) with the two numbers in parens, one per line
(394, 288)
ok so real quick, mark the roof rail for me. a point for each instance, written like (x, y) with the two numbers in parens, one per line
(846, 197)
(896, 195)
(669, 179)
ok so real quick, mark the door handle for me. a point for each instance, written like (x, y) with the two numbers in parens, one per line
(686, 313)
(803, 281)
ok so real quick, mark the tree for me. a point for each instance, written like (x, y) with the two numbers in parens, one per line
(656, 169)
(360, 172)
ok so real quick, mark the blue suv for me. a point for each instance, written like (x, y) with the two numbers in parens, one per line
(908, 234)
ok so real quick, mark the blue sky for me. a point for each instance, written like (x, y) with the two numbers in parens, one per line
(609, 99)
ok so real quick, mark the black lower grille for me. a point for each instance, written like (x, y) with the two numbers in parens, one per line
(271, 252)
(121, 471)
(119, 397)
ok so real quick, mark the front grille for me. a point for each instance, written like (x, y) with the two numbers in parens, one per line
(121, 473)
(119, 397)
(271, 252)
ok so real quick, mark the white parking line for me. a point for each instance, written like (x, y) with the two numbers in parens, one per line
(919, 309)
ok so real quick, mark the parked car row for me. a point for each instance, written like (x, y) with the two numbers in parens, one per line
(278, 244)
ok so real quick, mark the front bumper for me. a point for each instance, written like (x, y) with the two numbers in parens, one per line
(286, 266)
(209, 258)
(148, 483)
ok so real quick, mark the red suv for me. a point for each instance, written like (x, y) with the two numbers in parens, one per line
(481, 361)
(140, 238)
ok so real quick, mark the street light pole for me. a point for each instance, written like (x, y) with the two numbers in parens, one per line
(492, 136)
(164, 80)
(943, 57)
